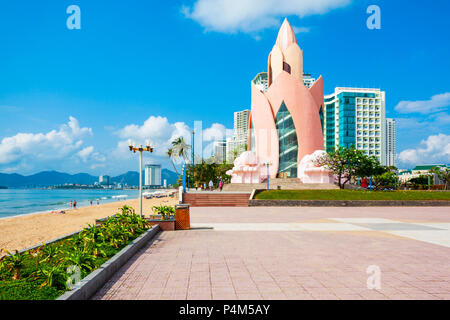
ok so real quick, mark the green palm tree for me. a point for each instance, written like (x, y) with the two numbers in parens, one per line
(181, 148)
(171, 155)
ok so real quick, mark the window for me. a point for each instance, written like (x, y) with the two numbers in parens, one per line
(286, 67)
(288, 142)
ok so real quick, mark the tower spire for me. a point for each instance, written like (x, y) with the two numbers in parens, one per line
(286, 36)
(286, 55)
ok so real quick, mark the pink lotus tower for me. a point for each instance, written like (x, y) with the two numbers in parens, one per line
(285, 121)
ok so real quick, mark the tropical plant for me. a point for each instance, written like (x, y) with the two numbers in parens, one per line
(385, 180)
(127, 210)
(166, 212)
(13, 262)
(180, 148)
(45, 269)
(52, 273)
(419, 182)
(78, 239)
(443, 174)
(209, 171)
(81, 258)
(48, 253)
(171, 154)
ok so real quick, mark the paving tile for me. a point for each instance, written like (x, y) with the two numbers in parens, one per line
(303, 253)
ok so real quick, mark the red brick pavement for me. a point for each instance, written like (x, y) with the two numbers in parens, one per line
(206, 264)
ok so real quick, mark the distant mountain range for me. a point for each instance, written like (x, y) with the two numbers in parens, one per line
(52, 178)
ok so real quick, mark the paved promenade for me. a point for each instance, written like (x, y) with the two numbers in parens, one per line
(294, 253)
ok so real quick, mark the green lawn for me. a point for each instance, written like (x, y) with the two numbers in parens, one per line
(350, 195)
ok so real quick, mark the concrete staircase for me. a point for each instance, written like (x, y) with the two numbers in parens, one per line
(284, 184)
(217, 199)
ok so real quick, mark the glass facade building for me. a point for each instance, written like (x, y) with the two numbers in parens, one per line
(356, 116)
(288, 142)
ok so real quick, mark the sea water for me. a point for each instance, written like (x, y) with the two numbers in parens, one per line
(15, 202)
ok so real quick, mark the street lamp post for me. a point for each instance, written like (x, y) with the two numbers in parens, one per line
(141, 149)
(184, 178)
(193, 157)
(268, 164)
(429, 182)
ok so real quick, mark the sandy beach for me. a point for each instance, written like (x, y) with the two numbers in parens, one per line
(21, 232)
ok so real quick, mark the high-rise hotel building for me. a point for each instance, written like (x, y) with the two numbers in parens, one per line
(391, 141)
(237, 144)
(220, 150)
(356, 116)
(241, 125)
(153, 175)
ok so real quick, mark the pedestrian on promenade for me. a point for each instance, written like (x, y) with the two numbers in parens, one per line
(220, 185)
(364, 183)
(211, 185)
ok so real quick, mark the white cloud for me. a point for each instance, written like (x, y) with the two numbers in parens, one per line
(252, 15)
(434, 150)
(27, 150)
(89, 155)
(437, 103)
(156, 129)
(85, 153)
(216, 132)
(161, 133)
(64, 149)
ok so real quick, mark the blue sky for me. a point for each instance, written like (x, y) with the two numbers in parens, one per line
(70, 99)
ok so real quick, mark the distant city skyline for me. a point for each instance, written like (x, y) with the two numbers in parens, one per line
(71, 99)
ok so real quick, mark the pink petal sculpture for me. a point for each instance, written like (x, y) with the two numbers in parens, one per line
(247, 169)
(309, 172)
(285, 123)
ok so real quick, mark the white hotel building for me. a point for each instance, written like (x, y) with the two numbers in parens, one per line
(356, 116)
(391, 142)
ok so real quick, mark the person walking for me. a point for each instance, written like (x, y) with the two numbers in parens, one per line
(211, 185)
(71, 204)
(220, 185)
(364, 183)
(204, 186)
(75, 204)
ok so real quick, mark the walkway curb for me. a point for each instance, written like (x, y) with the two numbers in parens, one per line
(349, 203)
(87, 287)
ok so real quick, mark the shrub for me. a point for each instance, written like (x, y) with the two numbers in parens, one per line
(41, 274)
(13, 262)
(167, 212)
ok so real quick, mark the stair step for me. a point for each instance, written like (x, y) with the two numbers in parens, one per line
(217, 199)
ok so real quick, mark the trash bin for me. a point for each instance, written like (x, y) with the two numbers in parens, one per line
(182, 219)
